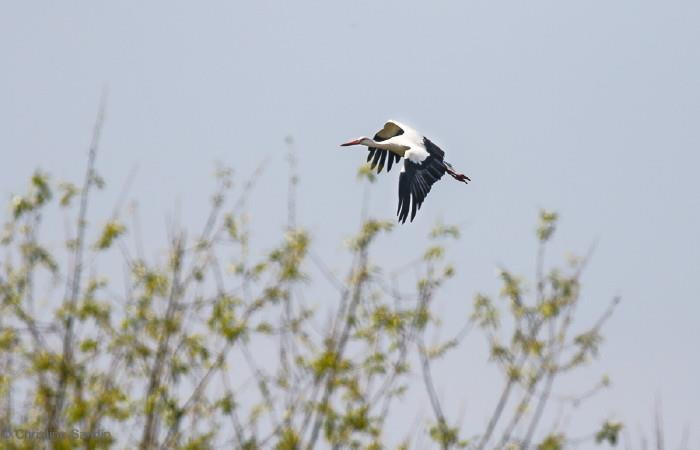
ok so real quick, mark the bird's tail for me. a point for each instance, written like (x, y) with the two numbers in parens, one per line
(456, 175)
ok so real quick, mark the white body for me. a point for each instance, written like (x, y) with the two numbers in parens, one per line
(409, 144)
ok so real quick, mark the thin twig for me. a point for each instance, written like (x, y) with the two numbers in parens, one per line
(73, 287)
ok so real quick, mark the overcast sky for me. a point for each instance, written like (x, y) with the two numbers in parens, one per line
(590, 108)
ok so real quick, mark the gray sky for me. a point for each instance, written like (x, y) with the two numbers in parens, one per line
(589, 108)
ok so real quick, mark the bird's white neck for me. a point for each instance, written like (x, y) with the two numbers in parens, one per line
(372, 143)
(384, 145)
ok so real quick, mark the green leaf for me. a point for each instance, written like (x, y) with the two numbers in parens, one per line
(552, 442)
(609, 432)
(365, 172)
(547, 225)
(68, 191)
(111, 231)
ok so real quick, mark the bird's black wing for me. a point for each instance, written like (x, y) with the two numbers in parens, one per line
(415, 182)
(433, 149)
(378, 157)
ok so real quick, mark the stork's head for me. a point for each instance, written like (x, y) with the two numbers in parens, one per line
(359, 141)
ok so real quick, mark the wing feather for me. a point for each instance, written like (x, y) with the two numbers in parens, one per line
(415, 183)
(371, 154)
(389, 130)
(433, 149)
(379, 156)
(382, 161)
(392, 157)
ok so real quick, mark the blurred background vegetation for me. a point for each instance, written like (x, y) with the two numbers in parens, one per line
(210, 343)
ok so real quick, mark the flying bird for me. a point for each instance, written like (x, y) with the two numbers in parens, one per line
(423, 163)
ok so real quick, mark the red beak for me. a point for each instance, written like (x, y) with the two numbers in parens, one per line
(355, 142)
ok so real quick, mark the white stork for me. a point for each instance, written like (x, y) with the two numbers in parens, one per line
(423, 164)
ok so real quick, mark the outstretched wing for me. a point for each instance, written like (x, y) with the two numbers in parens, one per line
(415, 182)
(433, 149)
(378, 156)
